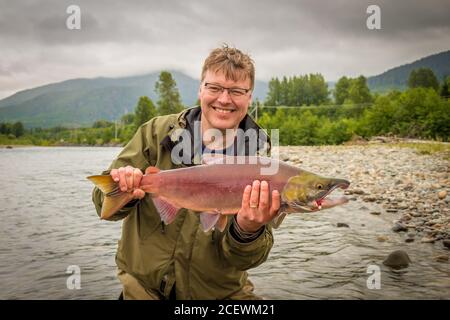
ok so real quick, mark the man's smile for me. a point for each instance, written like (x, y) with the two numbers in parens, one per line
(222, 110)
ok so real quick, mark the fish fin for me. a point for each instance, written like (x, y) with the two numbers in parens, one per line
(166, 210)
(275, 223)
(114, 199)
(221, 224)
(209, 220)
(104, 182)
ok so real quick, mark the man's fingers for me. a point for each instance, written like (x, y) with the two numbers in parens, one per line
(137, 176)
(114, 175)
(129, 176)
(138, 193)
(122, 180)
(246, 197)
(254, 197)
(264, 196)
(276, 203)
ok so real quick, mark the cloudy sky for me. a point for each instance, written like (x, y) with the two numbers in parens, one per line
(119, 38)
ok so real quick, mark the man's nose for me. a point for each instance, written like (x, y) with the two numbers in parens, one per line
(224, 97)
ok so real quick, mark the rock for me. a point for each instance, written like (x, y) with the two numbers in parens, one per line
(441, 258)
(428, 239)
(442, 194)
(342, 224)
(408, 240)
(398, 227)
(446, 243)
(382, 238)
(391, 210)
(398, 259)
(406, 217)
(375, 213)
(9, 147)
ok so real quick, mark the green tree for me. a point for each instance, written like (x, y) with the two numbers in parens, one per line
(145, 110)
(423, 77)
(445, 93)
(358, 91)
(274, 94)
(169, 98)
(18, 129)
(127, 118)
(341, 90)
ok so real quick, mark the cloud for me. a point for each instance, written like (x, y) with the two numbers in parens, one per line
(120, 38)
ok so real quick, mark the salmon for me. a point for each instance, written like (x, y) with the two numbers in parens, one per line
(215, 189)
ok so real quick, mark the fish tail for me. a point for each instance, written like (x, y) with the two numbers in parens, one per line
(114, 199)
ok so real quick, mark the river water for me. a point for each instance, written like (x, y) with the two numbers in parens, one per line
(48, 223)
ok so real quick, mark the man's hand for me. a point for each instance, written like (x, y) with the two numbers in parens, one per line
(129, 179)
(256, 210)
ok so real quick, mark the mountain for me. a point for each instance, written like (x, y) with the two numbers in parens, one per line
(80, 102)
(397, 78)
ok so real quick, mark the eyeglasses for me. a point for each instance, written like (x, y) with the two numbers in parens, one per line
(215, 89)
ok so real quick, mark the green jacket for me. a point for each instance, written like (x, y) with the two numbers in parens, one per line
(203, 265)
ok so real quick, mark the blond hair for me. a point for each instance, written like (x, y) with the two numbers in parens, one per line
(235, 64)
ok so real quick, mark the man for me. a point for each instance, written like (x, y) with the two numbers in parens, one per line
(179, 260)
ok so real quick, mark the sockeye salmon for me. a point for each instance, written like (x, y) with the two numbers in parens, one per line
(215, 189)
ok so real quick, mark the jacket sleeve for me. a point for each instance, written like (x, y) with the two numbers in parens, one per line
(248, 255)
(138, 154)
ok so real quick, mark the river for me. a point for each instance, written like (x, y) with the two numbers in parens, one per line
(48, 223)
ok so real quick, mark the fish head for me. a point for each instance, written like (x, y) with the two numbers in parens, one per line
(307, 192)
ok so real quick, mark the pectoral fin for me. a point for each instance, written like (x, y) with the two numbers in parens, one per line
(166, 210)
(208, 220)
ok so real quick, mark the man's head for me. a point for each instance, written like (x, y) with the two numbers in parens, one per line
(233, 70)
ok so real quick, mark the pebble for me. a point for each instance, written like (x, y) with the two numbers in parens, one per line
(398, 259)
(442, 194)
(342, 224)
(412, 187)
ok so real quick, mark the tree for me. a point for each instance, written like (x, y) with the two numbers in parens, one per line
(18, 129)
(274, 94)
(445, 93)
(341, 90)
(358, 91)
(169, 98)
(127, 118)
(145, 110)
(423, 77)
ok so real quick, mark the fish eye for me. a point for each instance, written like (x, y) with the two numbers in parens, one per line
(319, 186)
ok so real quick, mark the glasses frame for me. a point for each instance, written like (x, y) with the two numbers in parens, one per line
(228, 89)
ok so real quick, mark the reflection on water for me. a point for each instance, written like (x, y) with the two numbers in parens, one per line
(49, 223)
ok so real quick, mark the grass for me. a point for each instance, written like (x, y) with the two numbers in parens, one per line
(426, 148)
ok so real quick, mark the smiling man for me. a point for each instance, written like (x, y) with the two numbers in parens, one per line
(180, 261)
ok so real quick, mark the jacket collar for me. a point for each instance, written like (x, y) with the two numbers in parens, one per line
(186, 120)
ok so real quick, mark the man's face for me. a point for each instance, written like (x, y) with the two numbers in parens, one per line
(222, 110)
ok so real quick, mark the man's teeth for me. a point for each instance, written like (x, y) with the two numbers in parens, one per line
(222, 110)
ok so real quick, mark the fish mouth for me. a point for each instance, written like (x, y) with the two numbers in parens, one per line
(324, 203)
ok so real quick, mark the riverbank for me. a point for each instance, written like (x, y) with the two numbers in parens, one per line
(409, 186)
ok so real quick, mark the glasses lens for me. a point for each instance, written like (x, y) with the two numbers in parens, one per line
(237, 92)
(213, 88)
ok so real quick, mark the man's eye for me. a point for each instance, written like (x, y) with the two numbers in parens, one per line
(214, 88)
(237, 92)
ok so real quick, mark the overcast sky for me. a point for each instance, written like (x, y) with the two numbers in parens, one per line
(119, 38)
